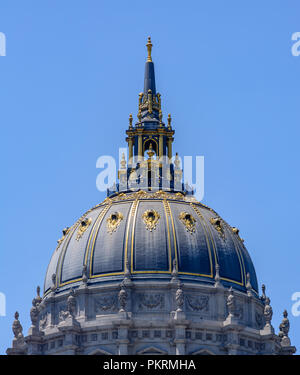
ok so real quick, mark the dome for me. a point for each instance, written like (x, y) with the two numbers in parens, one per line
(150, 235)
(150, 270)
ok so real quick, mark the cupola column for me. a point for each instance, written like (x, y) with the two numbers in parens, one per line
(170, 140)
(140, 148)
(161, 145)
(130, 146)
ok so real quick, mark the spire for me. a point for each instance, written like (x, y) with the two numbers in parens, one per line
(149, 79)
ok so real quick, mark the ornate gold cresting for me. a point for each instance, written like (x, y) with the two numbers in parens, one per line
(149, 48)
(188, 221)
(83, 227)
(150, 218)
(113, 222)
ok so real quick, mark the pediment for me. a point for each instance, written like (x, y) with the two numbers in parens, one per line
(152, 350)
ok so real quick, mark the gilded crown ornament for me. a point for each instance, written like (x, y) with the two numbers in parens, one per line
(188, 221)
(83, 227)
(151, 218)
(216, 222)
(113, 222)
(65, 231)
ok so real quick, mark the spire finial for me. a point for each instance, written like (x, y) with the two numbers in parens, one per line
(130, 121)
(149, 48)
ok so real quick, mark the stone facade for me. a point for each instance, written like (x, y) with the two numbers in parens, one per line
(152, 318)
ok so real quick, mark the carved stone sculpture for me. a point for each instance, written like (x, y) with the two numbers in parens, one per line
(53, 278)
(179, 297)
(17, 327)
(122, 298)
(284, 328)
(38, 298)
(71, 303)
(231, 303)
(84, 274)
(268, 312)
(248, 285)
(263, 296)
(34, 313)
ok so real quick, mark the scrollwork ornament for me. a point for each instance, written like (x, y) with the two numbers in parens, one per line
(151, 218)
(113, 222)
(106, 303)
(151, 301)
(83, 227)
(217, 223)
(188, 221)
(198, 303)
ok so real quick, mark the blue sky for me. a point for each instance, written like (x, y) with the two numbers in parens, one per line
(72, 75)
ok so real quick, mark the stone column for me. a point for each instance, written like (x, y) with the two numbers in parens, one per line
(170, 148)
(161, 144)
(180, 339)
(123, 337)
(130, 150)
(140, 148)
